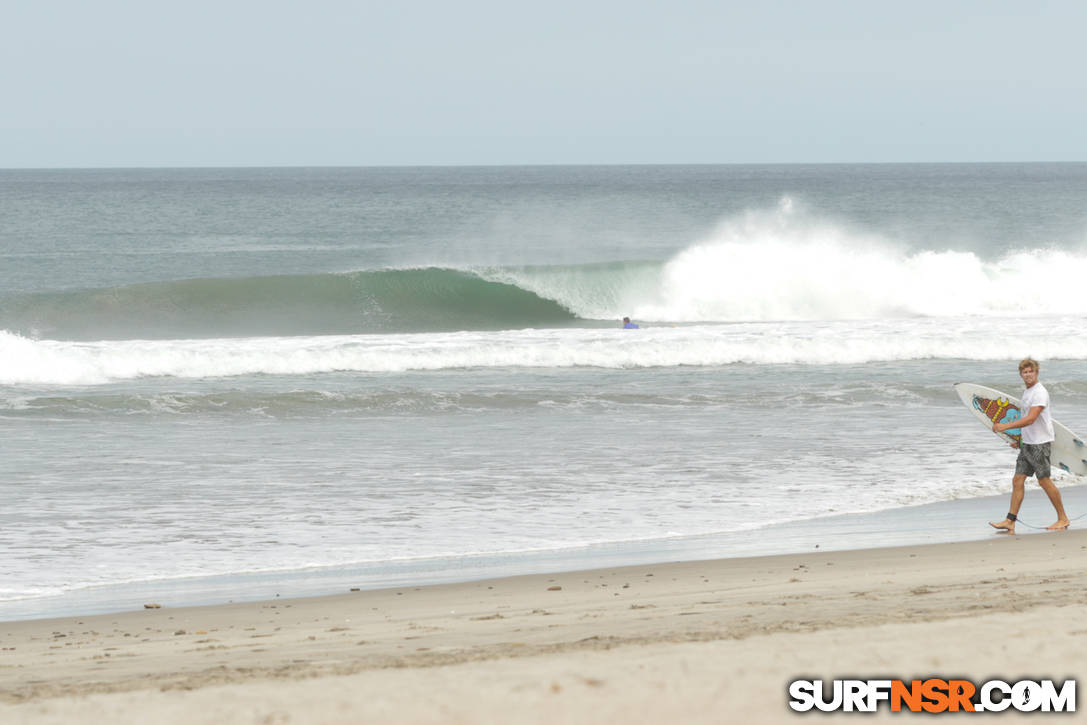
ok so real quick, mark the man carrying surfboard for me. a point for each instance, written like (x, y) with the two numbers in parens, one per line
(1036, 428)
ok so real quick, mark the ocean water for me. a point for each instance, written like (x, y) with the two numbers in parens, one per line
(221, 374)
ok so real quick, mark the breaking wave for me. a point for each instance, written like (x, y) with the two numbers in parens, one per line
(764, 266)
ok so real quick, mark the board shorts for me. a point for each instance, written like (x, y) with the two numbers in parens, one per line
(1033, 460)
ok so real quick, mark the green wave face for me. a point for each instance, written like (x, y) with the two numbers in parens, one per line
(397, 300)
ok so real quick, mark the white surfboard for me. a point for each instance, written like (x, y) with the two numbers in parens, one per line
(1068, 453)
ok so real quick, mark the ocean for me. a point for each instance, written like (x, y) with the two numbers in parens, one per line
(221, 383)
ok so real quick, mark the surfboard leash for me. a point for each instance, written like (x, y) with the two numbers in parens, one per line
(1018, 520)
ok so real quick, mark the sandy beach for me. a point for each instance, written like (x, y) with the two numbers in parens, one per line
(707, 641)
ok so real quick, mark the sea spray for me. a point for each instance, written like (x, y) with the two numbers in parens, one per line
(788, 266)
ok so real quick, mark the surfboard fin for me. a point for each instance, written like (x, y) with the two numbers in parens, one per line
(1077, 441)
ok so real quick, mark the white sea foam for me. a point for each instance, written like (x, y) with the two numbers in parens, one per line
(788, 265)
(829, 278)
(26, 361)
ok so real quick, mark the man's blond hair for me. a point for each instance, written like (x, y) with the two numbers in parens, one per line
(1028, 362)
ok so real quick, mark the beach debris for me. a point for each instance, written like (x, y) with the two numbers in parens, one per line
(355, 589)
(152, 606)
(180, 631)
(555, 588)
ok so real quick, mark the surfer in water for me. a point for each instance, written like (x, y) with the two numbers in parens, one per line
(1036, 426)
(628, 325)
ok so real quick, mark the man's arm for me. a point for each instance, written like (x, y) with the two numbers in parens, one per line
(1030, 417)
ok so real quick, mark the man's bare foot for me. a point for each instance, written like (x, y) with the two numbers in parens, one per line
(1059, 525)
(1004, 527)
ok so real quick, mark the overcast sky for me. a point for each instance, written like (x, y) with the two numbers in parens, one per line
(329, 82)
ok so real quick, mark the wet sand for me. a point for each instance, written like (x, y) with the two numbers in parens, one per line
(704, 641)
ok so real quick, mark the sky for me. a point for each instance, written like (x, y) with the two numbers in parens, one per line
(118, 83)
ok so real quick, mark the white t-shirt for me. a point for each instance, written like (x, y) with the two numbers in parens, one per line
(1041, 430)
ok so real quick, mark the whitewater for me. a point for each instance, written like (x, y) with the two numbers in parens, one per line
(401, 374)
(834, 342)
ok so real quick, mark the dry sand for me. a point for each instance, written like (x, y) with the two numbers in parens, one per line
(712, 641)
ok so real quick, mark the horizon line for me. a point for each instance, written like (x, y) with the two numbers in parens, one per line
(167, 167)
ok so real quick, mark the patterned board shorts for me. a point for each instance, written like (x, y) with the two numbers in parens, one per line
(1033, 460)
